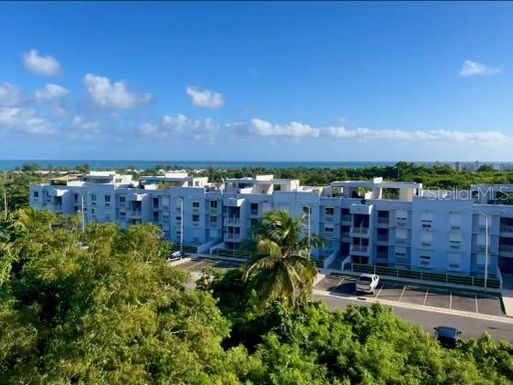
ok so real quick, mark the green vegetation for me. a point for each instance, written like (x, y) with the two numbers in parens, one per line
(282, 267)
(104, 307)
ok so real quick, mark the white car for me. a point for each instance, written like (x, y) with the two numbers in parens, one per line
(367, 283)
(175, 256)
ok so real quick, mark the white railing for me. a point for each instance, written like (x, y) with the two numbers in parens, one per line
(359, 249)
(233, 221)
(360, 230)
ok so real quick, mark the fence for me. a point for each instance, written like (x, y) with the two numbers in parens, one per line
(239, 254)
(454, 279)
(186, 248)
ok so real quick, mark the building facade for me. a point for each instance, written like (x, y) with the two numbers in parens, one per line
(376, 222)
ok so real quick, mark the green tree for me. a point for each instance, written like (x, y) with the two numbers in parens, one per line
(282, 267)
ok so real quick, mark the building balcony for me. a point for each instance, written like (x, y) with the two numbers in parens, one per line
(506, 231)
(345, 219)
(231, 237)
(359, 232)
(383, 222)
(345, 237)
(254, 213)
(382, 239)
(382, 255)
(506, 251)
(135, 213)
(232, 221)
(213, 225)
(359, 250)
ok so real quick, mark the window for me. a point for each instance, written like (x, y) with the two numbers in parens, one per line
(107, 198)
(454, 260)
(254, 208)
(426, 236)
(195, 218)
(195, 204)
(213, 204)
(122, 199)
(401, 215)
(93, 211)
(36, 194)
(329, 229)
(329, 210)
(425, 260)
(93, 198)
(213, 219)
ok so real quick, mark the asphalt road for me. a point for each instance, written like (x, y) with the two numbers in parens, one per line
(470, 327)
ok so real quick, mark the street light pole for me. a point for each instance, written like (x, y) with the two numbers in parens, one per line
(181, 225)
(486, 248)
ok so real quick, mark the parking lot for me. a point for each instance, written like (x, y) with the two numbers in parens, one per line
(418, 295)
(197, 264)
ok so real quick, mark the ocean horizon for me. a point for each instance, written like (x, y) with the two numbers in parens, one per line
(13, 164)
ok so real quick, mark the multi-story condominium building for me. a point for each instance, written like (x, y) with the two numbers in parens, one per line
(396, 224)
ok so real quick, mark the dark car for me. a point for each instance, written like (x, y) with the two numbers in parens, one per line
(447, 336)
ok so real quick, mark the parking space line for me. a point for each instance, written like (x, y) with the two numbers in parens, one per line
(450, 300)
(379, 291)
(425, 297)
(477, 306)
(402, 293)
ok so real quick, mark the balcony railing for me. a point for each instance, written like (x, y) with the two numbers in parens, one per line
(506, 249)
(382, 238)
(233, 221)
(231, 237)
(357, 231)
(383, 220)
(359, 249)
(135, 213)
(506, 229)
(345, 218)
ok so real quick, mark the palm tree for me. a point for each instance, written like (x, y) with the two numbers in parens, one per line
(282, 268)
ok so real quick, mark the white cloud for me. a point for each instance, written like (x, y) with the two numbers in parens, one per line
(24, 120)
(115, 95)
(9, 95)
(293, 129)
(258, 127)
(205, 98)
(472, 68)
(180, 125)
(50, 92)
(82, 124)
(41, 65)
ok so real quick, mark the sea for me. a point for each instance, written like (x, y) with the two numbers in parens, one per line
(143, 164)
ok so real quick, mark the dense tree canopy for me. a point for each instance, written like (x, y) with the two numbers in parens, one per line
(104, 307)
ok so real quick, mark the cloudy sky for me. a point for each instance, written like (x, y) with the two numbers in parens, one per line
(249, 81)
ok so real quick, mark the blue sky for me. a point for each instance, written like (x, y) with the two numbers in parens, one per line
(256, 81)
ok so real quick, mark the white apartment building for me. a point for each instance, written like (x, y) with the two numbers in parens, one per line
(376, 222)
